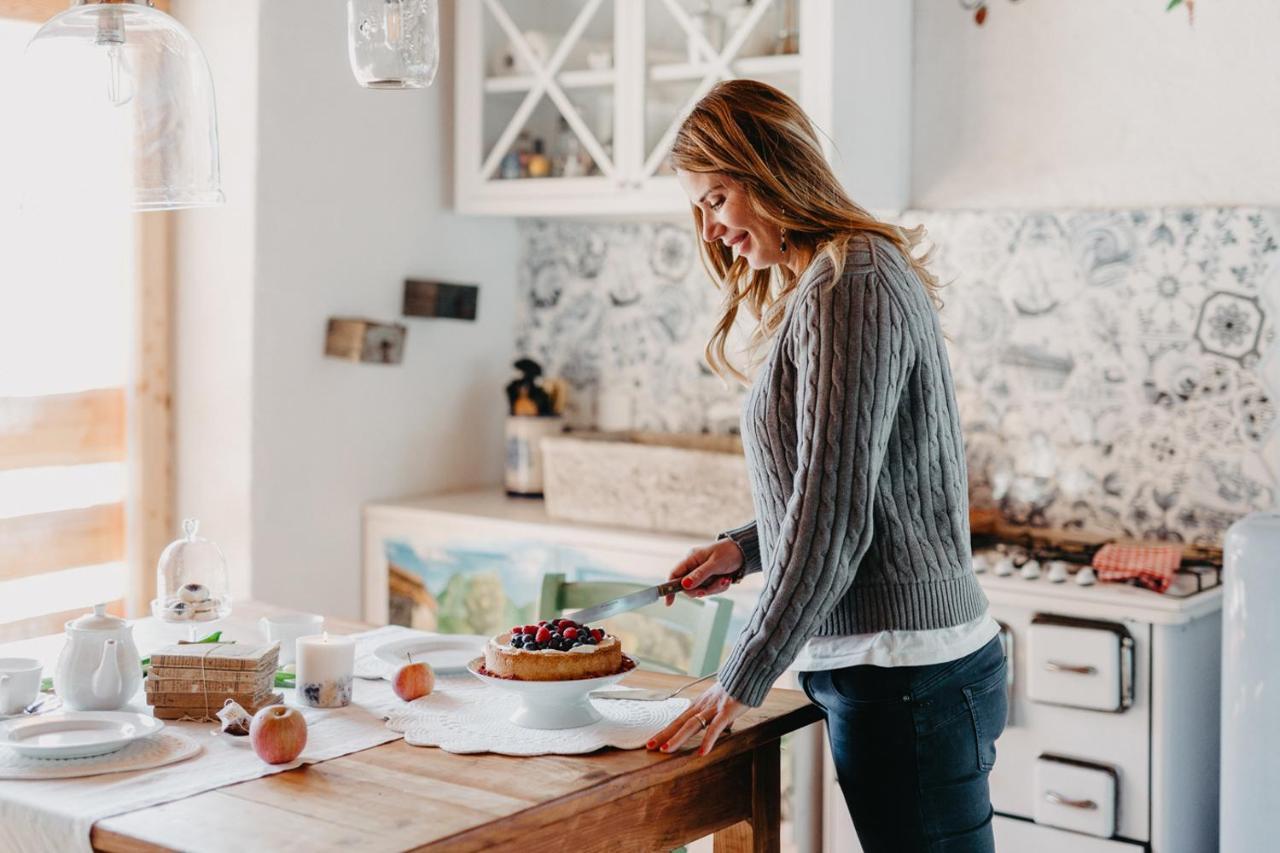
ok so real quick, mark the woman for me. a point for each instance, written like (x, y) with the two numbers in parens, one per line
(858, 479)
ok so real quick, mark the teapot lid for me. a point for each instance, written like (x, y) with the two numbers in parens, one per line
(98, 620)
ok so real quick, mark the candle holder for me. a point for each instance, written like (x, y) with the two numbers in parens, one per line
(325, 670)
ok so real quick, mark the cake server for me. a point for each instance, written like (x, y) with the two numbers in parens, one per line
(634, 600)
(644, 694)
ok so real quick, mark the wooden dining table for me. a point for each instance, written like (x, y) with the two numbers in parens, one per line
(401, 797)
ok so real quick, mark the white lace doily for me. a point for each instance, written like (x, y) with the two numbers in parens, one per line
(165, 747)
(465, 715)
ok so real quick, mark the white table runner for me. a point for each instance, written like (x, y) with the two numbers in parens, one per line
(58, 814)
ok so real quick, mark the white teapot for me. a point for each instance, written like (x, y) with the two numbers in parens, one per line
(99, 668)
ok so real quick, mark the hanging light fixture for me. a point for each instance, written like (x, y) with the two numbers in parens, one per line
(119, 88)
(393, 44)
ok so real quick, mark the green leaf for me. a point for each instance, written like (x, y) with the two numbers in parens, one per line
(286, 679)
(46, 685)
(1173, 4)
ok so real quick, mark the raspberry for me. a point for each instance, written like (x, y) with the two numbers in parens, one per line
(543, 634)
(570, 633)
(598, 633)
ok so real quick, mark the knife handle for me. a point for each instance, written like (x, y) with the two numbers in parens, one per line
(669, 588)
(672, 587)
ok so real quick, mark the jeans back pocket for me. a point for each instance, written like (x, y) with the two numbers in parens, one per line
(988, 702)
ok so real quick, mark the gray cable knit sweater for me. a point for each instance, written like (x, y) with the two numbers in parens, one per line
(857, 470)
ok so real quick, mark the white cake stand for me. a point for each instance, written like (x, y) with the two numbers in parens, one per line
(550, 704)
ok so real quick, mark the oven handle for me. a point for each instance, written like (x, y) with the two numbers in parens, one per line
(1059, 800)
(1076, 669)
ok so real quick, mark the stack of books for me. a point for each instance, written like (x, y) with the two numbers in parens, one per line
(194, 680)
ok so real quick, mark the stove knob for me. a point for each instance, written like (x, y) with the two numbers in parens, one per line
(1086, 577)
(980, 563)
(1004, 567)
(1057, 571)
(1031, 570)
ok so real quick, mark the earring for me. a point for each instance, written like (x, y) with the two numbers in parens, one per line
(783, 245)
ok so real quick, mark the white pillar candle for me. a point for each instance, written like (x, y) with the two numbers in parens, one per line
(326, 665)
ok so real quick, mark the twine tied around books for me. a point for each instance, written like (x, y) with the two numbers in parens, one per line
(204, 683)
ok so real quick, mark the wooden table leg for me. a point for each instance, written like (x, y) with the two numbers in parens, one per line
(762, 833)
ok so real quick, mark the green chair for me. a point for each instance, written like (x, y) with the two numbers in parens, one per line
(705, 620)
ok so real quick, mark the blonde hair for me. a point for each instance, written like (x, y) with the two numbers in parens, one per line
(762, 139)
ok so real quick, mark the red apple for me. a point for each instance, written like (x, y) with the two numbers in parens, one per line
(413, 681)
(278, 734)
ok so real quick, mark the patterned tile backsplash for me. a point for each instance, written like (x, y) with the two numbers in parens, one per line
(1111, 366)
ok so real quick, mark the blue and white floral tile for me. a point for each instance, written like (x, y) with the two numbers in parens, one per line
(1108, 364)
(624, 306)
(1115, 369)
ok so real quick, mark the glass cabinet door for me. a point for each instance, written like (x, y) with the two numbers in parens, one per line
(570, 106)
(690, 45)
(548, 104)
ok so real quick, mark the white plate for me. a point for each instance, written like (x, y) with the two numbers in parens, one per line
(444, 653)
(76, 734)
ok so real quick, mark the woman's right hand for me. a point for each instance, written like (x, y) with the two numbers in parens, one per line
(707, 569)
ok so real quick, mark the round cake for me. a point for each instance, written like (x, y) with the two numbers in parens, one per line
(555, 650)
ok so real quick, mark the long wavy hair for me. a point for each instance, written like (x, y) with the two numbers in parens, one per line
(762, 139)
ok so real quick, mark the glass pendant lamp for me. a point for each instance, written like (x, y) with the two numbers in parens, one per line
(393, 44)
(120, 89)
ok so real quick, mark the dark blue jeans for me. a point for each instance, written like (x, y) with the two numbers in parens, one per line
(913, 746)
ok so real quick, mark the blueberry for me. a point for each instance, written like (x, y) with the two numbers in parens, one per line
(590, 640)
(517, 642)
(530, 638)
(577, 642)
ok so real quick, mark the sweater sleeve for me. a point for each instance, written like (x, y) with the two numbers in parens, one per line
(852, 350)
(747, 539)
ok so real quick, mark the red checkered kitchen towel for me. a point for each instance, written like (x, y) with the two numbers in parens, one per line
(1150, 565)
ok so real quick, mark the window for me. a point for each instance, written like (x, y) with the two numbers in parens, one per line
(84, 426)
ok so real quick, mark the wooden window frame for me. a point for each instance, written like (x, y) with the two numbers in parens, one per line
(147, 517)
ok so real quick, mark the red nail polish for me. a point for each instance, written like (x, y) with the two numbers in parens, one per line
(686, 583)
(650, 744)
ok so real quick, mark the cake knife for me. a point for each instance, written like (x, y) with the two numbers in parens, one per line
(632, 601)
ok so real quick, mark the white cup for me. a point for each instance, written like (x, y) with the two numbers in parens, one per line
(287, 628)
(19, 684)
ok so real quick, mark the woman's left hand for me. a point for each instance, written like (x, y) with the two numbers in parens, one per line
(714, 707)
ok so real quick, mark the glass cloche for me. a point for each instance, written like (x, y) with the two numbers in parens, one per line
(191, 580)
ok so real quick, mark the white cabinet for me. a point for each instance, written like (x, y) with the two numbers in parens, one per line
(603, 85)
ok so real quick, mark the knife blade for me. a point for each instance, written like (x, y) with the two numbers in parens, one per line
(632, 601)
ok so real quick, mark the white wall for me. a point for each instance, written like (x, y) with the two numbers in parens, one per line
(350, 198)
(213, 299)
(871, 66)
(1094, 103)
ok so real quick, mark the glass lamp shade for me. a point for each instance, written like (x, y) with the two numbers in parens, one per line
(393, 44)
(121, 100)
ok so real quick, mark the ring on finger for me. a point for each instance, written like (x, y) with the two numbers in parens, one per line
(702, 721)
